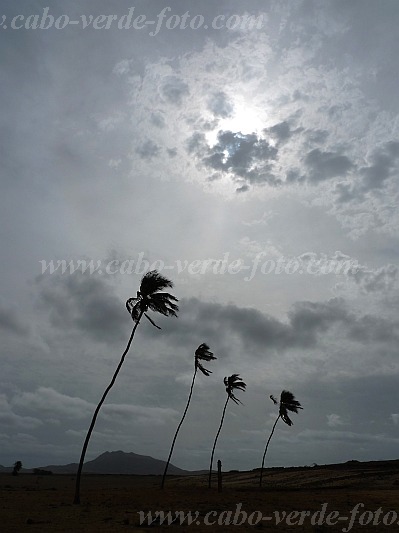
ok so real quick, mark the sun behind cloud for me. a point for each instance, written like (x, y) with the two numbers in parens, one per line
(245, 118)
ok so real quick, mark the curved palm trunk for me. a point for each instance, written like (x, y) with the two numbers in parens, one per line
(76, 499)
(178, 429)
(267, 445)
(214, 444)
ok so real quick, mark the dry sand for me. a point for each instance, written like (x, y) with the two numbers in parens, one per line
(111, 503)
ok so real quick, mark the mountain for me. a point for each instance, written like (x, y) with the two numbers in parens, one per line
(120, 463)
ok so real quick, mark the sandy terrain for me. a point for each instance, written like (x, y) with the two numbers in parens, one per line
(111, 503)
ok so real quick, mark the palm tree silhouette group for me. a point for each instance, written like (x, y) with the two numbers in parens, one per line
(152, 297)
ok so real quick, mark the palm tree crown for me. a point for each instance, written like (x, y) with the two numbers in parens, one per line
(232, 383)
(202, 353)
(149, 297)
(287, 403)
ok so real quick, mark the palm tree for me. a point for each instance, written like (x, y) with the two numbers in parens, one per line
(287, 403)
(148, 298)
(232, 383)
(202, 353)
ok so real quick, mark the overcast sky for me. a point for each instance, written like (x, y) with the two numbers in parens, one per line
(271, 145)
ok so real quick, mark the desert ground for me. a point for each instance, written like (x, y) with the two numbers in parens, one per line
(30, 502)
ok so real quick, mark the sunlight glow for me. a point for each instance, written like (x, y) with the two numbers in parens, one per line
(245, 119)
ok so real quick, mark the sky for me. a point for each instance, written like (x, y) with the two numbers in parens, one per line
(253, 164)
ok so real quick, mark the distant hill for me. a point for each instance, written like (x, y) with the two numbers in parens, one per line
(134, 464)
(10, 469)
(120, 463)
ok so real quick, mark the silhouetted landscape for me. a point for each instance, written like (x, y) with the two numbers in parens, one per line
(112, 502)
(124, 463)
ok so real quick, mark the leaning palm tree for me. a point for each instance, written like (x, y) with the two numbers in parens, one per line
(232, 383)
(202, 353)
(287, 403)
(148, 298)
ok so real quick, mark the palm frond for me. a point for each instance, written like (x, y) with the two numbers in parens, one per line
(204, 370)
(288, 403)
(234, 382)
(234, 398)
(202, 353)
(150, 320)
(149, 298)
(162, 303)
(273, 399)
(284, 416)
(288, 400)
(153, 282)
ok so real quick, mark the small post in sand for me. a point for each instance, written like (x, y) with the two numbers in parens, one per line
(219, 475)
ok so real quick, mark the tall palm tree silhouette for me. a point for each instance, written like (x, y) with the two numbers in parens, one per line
(148, 298)
(202, 353)
(232, 383)
(287, 403)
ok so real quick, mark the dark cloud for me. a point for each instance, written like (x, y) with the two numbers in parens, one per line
(46, 400)
(83, 302)
(326, 165)
(10, 419)
(174, 89)
(220, 105)
(247, 157)
(282, 131)
(382, 279)
(372, 178)
(148, 150)
(10, 321)
(250, 158)
(294, 175)
(309, 318)
(260, 334)
(346, 192)
(372, 329)
(300, 96)
(172, 152)
(255, 330)
(196, 144)
(157, 120)
(317, 136)
(383, 162)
